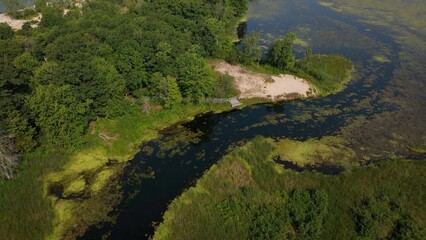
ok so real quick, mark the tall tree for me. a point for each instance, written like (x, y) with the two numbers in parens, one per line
(131, 65)
(193, 76)
(6, 31)
(250, 50)
(61, 118)
(280, 54)
(166, 90)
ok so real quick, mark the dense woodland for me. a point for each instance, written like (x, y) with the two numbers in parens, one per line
(94, 61)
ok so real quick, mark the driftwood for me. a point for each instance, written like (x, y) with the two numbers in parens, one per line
(106, 137)
(9, 157)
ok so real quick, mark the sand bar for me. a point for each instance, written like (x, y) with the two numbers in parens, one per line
(251, 84)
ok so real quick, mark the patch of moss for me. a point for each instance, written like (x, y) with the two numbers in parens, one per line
(329, 150)
(101, 179)
(76, 186)
(382, 59)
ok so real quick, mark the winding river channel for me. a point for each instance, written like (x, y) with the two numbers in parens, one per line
(168, 165)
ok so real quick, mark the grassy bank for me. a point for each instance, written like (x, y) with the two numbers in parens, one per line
(328, 73)
(57, 194)
(25, 211)
(247, 196)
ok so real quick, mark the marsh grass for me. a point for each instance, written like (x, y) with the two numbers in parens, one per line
(25, 212)
(327, 150)
(247, 196)
(329, 72)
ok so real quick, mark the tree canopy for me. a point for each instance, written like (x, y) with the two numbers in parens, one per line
(280, 54)
(83, 64)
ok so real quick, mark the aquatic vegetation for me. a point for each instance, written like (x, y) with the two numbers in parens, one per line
(327, 150)
(389, 13)
(381, 59)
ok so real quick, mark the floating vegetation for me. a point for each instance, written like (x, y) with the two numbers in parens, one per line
(327, 150)
(381, 59)
(301, 42)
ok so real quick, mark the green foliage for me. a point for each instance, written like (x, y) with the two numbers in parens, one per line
(130, 64)
(6, 31)
(224, 87)
(250, 50)
(216, 42)
(240, 7)
(52, 16)
(408, 228)
(76, 67)
(379, 218)
(25, 65)
(106, 85)
(230, 195)
(26, 13)
(194, 79)
(329, 72)
(102, 55)
(23, 132)
(247, 196)
(61, 118)
(166, 90)
(26, 212)
(280, 54)
(48, 73)
(307, 210)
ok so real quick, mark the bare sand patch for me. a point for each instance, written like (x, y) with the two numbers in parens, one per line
(16, 24)
(252, 85)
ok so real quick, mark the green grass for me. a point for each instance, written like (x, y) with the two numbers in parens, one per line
(247, 196)
(329, 72)
(327, 150)
(25, 211)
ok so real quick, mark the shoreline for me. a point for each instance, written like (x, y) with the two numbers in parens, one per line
(252, 84)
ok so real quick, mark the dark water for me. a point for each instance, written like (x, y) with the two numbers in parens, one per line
(184, 152)
(323, 169)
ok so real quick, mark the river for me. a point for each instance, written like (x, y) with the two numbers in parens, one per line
(183, 152)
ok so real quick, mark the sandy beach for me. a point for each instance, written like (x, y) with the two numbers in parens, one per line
(251, 84)
(16, 24)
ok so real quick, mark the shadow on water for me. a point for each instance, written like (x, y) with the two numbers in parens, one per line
(184, 152)
(324, 169)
